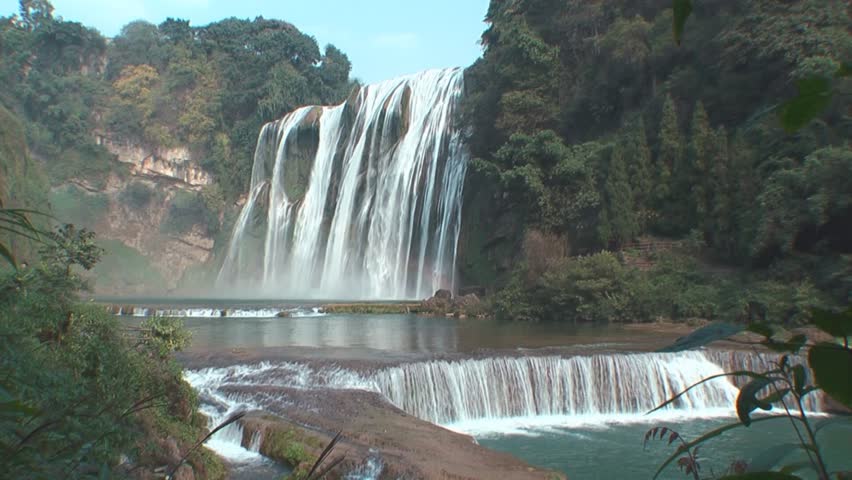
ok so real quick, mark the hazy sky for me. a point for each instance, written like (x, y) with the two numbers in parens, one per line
(383, 38)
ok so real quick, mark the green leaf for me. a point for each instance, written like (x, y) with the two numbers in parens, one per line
(682, 10)
(844, 71)
(762, 476)
(833, 323)
(832, 367)
(772, 456)
(813, 98)
(713, 434)
(748, 402)
(704, 335)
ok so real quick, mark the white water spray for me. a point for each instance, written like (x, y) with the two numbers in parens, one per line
(361, 200)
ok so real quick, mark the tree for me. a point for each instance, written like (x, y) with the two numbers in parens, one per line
(35, 13)
(669, 160)
(618, 223)
(641, 180)
(695, 177)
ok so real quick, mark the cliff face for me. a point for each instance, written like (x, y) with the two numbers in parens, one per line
(150, 216)
(175, 164)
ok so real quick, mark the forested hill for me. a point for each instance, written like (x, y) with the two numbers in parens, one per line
(592, 130)
(210, 87)
(148, 138)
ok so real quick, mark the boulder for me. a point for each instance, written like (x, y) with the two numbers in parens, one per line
(443, 294)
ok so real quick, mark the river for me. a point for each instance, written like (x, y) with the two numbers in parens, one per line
(482, 381)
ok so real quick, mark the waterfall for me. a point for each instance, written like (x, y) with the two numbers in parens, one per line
(360, 200)
(448, 392)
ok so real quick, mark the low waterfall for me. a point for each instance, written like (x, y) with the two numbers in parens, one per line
(447, 392)
(361, 200)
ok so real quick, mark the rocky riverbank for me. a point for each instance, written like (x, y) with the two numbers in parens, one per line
(372, 431)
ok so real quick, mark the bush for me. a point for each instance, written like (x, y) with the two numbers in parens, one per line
(594, 288)
(600, 288)
(137, 195)
(187, 210)
(80, 390)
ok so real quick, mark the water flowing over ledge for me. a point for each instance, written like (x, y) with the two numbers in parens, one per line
(502, 393)
(356, 201)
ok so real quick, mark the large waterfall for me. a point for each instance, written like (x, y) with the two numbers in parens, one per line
(360, 200)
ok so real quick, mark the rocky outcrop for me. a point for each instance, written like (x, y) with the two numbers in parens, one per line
(173, 163)
(406, 446)
(463, 306)
(144, 244)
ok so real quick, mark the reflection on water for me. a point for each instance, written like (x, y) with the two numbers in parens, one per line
(393, 333)
(405, 333)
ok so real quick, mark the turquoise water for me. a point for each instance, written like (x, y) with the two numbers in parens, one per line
(616, 451)
(585, 451)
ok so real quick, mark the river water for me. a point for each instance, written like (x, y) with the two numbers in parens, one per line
(594, 439)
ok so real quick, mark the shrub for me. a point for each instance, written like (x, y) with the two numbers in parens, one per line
(137, 195)
(80, 390)
(188, 209)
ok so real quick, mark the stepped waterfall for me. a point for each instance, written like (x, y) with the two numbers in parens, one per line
(447, 392)
(356, 201)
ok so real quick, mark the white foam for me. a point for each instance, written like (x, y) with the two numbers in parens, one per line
(225, 312)
(539, 425)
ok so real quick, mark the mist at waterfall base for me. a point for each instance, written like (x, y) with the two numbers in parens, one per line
(356, 201)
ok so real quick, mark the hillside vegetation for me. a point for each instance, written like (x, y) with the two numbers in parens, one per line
(74, 100)
(592, 128)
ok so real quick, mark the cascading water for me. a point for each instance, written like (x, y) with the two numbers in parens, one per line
(360, 200)
(450, 392)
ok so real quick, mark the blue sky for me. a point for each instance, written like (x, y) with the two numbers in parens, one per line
(383, 38)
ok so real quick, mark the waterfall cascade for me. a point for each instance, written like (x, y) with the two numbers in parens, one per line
(360, 200)
(447, 392)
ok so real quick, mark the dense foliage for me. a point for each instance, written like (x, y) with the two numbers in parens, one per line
(591, 124)
(81, 395)
(209, 88)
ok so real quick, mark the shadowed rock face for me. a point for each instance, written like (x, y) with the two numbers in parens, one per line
(301, 151)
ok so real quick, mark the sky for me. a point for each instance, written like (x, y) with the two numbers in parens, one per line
(383, 38)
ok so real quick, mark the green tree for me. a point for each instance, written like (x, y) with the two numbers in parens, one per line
(698, 167)
(618, 223)
(669, 160)
(638, 155)
(35, 13)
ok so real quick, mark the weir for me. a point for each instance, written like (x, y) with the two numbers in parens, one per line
(356, 201)
(448, 392)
